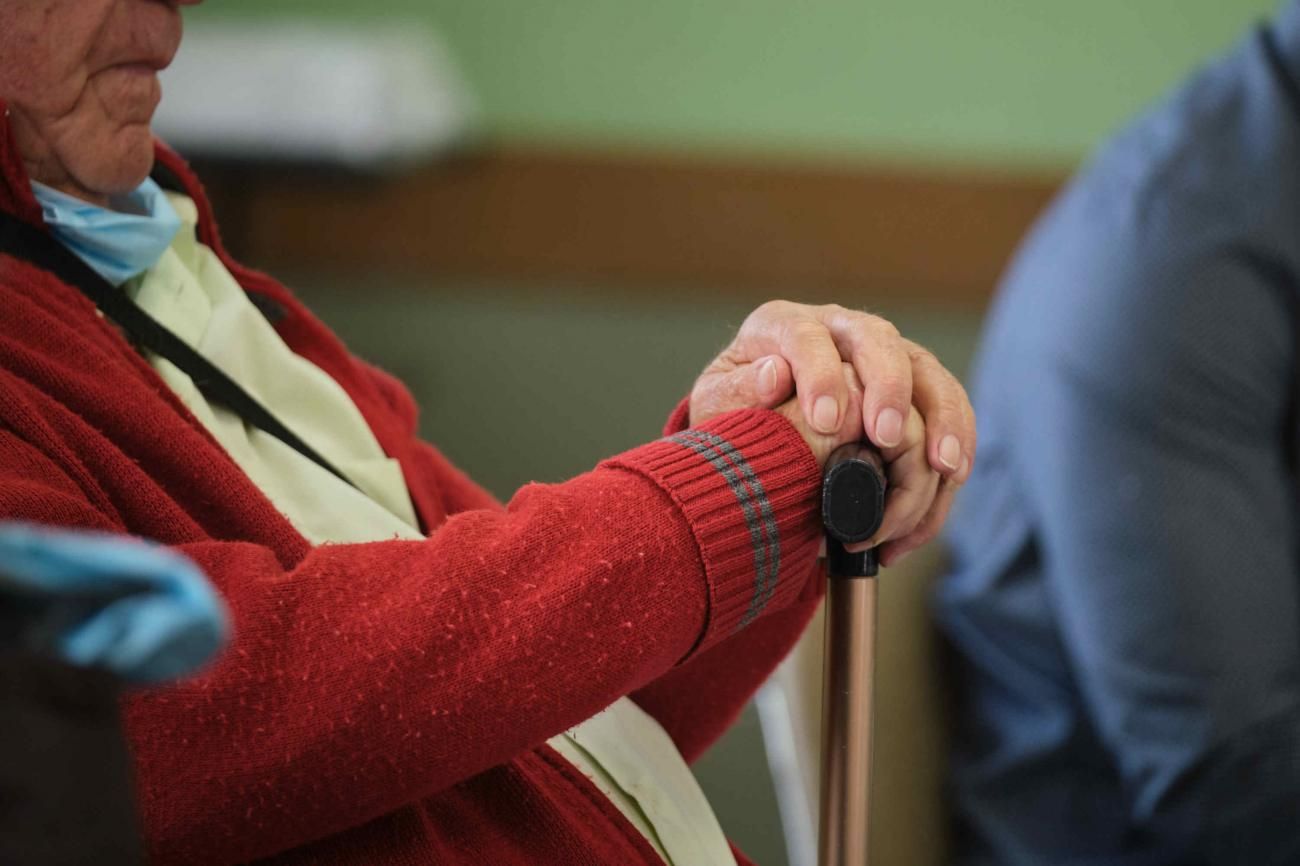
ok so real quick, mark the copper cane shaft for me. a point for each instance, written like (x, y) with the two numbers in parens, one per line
(846, 721)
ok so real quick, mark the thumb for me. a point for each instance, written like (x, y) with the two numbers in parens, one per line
(764, 383)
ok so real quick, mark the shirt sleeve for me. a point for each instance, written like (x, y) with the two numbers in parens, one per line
(367, 676)
(1153, 432)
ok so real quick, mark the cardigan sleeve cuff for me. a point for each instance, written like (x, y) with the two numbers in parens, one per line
(680, 419)
(747, 484)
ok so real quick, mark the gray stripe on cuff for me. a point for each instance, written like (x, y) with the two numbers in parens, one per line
(748, 491)
(765, 511)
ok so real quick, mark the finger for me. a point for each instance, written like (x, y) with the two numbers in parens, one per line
(880, 356)
(815, 362)
(773, 381)
(726, 387)
(893, 552)
(949, 418)
(905, 508)
(822, 444)
(912, 485)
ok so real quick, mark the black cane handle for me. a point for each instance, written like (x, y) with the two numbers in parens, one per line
(853, 507)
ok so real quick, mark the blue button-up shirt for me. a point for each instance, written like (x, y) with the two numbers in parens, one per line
(1124, 604)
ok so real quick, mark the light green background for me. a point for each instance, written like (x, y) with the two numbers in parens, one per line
(1006, 81)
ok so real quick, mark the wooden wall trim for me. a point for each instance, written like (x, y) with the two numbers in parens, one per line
(696, 223)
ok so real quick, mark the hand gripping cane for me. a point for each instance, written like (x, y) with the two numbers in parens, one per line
(853, 506)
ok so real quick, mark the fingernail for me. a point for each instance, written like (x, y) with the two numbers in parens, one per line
(950, 452)
(826, 414)
(766, 377)
(889, 428)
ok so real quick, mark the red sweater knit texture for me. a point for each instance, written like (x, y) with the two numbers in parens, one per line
(390, 702)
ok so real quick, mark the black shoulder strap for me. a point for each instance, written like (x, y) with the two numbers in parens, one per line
(32, 245)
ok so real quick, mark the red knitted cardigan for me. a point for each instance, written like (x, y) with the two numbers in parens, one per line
(389, 703)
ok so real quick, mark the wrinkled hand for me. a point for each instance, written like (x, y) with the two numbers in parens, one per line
(918, 498)
(784, 348)
(841, 375)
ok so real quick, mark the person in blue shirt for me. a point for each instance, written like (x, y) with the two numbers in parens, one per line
(1124, 600)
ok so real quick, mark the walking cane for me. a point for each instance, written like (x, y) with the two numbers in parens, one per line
(853, 506)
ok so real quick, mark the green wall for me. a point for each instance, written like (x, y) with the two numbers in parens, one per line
(997, 80)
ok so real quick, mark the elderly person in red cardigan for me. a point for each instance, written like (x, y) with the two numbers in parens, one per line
(419, 675)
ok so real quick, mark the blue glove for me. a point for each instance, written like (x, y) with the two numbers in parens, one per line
(137, 609)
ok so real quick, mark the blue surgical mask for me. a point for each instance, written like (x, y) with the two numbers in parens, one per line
(117, 244)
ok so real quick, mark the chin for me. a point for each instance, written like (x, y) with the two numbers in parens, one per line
(120, 166)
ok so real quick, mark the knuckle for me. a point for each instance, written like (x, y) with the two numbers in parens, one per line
(764, 312)
(923, 357)
(888, 329)
(890, 386)
(881, 328)
(804, 330)
(851, 377)
(951, 407)
(949, 393)
(953, 403)
(775, 309)
(886, 364)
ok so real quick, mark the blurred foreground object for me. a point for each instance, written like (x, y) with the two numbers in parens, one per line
(139, 611)
(361, 96)
(79, 613)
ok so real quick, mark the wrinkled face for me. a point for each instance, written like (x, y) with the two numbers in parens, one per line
(80, 78)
